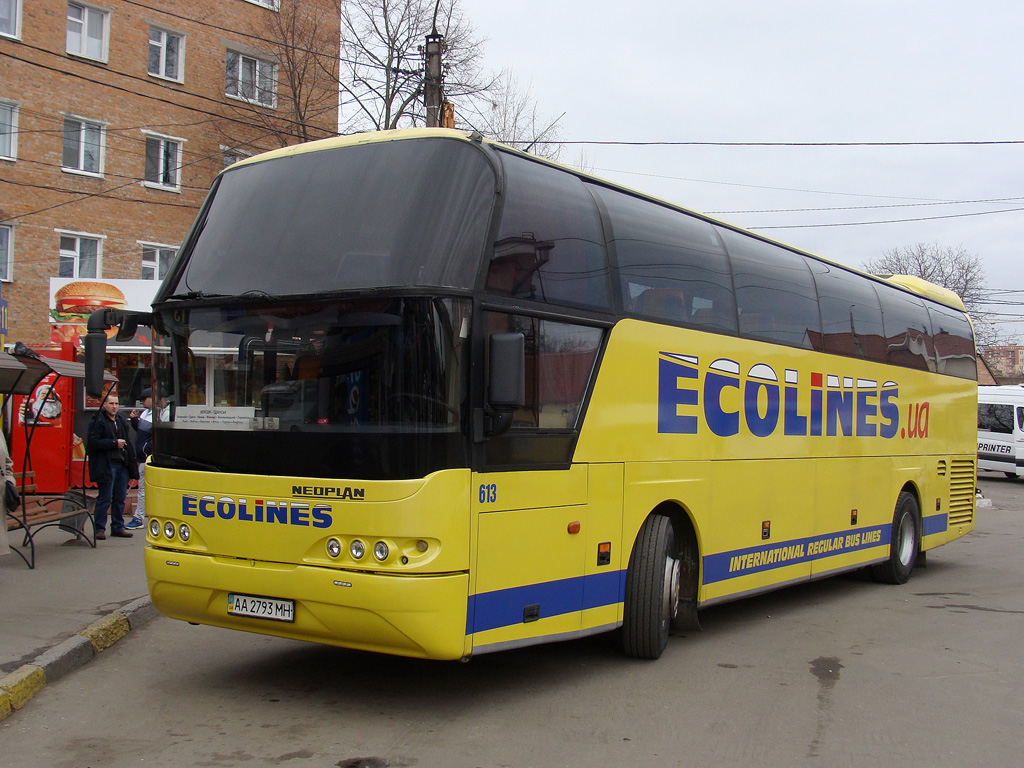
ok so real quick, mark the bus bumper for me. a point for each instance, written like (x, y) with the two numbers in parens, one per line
(419, 616)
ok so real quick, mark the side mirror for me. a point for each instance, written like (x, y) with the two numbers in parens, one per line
(95, 348)
(506, 389)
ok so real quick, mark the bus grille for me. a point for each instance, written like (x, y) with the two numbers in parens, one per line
(961, 492)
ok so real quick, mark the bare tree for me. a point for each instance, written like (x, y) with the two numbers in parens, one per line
(953, 268)
(298, 101)
(382, 60)
(510, 115)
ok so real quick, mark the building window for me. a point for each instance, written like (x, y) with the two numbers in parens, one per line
(5, 252)
(163, 162)
(83, 145)
(272, 4)
(157, 260)
(250, 79)
(232, 155)
(10, 17)
(166, 51)
(8, 131)
(87, 32)
(79, 255)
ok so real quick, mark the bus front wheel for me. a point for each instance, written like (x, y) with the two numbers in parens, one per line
(652, 589)
(904, 544)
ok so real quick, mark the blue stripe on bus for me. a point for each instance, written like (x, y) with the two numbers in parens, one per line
(741, 562)
(504, 607)
(935, 524)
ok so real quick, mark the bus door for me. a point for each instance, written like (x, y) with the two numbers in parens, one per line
(527, 579)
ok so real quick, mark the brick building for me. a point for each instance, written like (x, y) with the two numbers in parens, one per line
(116, 116)
(1006, 362)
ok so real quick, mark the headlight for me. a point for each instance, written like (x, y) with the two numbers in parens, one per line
(154, 527)
(333, 547)
(357, 549)
(380, 551)
(183, 532)
(169, 529)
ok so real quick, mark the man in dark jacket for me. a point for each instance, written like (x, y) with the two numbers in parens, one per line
(111, 465)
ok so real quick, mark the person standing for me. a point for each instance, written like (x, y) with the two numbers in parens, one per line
(142, 423)
(112, 464)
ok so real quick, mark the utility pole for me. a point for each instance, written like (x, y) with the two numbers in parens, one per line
(433, 92)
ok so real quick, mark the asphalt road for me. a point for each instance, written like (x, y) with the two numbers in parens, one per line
(843, 672)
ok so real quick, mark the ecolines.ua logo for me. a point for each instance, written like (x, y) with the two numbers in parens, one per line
(261, 511)
(819, 405)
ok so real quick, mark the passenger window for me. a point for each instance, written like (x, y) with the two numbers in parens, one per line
(775, 294)
(908, 336)
(550, 245)
(1020, 418)
(954, 342)
(672, 266)
(995, 418)
(851, 318)
(559, 363)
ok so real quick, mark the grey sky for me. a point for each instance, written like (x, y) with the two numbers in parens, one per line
(792, 71)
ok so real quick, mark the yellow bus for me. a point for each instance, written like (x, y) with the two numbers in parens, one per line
(430, 396)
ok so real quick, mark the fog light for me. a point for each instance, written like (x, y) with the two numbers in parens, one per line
(357, 549)
(184, 532)
(421, 546)
(154, 527)
(169, 529)
(380, 551)
(333, 547)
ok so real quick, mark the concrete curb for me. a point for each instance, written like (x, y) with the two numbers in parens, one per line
(25, 682)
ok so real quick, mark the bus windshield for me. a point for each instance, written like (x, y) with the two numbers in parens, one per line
(386, 374)
(398, 214)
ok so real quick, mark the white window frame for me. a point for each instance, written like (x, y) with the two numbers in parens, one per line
(13, 154)
(89, 12)
(82, 122)
(77, 253)
(155, 265)
(15, 33)
(179, 146)
(273, 5)
(165, 34)
(258, 63)
(7, 259)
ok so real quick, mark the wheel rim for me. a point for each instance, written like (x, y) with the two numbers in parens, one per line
(906, 542)
(673, 570)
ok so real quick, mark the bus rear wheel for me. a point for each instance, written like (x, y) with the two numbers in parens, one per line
(904, 544)
(652, 589)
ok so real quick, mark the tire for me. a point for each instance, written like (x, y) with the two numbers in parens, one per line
(652, 590)
(904, 544)
(1011, 475)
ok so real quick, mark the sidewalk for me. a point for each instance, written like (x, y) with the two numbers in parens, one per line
(76, 602)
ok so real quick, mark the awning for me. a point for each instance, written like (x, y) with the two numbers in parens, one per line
(19, 374)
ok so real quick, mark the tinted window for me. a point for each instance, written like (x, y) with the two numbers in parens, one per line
(908, 336)
(550, 245)
(954, 342)
(397, 213)
(671, 266)
(995, 418)
(775, 294)
(851, 318)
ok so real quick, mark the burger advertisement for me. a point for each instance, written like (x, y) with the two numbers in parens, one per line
(72, 301)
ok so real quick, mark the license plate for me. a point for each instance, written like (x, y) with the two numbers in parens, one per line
(261, 607)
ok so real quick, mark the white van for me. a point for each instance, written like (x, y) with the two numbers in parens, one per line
(1001, 429)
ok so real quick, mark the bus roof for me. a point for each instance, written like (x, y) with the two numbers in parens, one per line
(909, 283)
